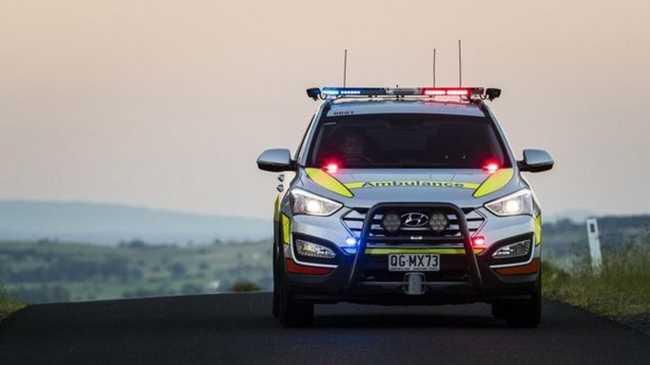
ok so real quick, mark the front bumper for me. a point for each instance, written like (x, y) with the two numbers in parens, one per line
(361, 276)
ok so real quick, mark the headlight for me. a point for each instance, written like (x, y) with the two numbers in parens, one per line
(438, 221)
(517, 249)
(303, 202)
(517, 203)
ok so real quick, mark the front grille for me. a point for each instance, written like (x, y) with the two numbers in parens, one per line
(354, 221)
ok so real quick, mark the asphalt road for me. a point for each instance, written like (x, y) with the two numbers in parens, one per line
(238, 329)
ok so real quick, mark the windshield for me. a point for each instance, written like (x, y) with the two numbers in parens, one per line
(407, 141)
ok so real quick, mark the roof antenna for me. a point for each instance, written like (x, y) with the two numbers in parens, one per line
(460, 65)
(434, 67)
(345, 66)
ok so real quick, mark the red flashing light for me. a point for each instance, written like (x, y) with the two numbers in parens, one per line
(331, 167)
(478, 242)
(293, 267)
(433, 92)
(491, 167)
(449, 91)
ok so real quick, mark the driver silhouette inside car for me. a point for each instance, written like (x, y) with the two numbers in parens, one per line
(354, 150)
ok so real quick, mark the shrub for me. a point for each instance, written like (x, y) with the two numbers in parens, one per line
(188, 288)
(244, 286)
(177, 270)
(7, 305)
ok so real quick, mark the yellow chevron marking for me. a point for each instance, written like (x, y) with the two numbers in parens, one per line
(328, 182)
(494, 182)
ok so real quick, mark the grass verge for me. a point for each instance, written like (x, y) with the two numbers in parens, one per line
(622, 288)
(8, 305)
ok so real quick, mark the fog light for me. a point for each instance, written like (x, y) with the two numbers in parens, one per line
(517, 249)
(391, 222)
(309, 249)
(350, 241)
(438, 221)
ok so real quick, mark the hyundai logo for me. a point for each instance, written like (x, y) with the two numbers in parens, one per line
(414, 219)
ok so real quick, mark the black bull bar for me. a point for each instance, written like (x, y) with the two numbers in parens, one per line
(465, 238)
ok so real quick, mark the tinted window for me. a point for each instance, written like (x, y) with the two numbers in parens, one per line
(407, 141)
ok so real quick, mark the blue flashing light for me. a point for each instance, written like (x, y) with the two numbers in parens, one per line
(350, 250)
(351, 245)
(351, 241)
(350, 92)
(330, 91)
(341, 91)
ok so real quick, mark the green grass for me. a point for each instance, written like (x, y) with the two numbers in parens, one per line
(244, 286)
(7, 305)
(621, 289)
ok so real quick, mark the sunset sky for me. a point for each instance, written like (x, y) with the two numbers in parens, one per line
(167, 104)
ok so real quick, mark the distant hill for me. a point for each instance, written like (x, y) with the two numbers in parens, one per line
(574, 215)
(109, 224)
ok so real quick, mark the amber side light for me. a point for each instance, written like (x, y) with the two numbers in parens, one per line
(294, 268)
(531, 268)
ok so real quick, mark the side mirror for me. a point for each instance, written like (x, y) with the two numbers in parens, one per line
(536, 161)
(275, 160)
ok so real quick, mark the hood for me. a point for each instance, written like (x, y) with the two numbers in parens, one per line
(370, 187)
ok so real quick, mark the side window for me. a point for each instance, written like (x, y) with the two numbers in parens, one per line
(302, 142)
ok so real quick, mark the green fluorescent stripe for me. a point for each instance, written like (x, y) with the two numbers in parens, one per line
(538, 230)
(494, 182)
(328, 182)
(470, 185)
(354, 185)
(286, 230)
(411, 184)
(441, 251)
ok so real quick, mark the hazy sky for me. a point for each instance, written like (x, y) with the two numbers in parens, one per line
(167, 104)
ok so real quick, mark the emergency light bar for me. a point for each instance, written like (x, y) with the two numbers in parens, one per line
(468, 92)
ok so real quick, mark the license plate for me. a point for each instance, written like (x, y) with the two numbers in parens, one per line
(413, 262)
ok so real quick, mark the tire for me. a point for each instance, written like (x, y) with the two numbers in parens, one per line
(525, 313)
(290, 312)
(499, 310)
